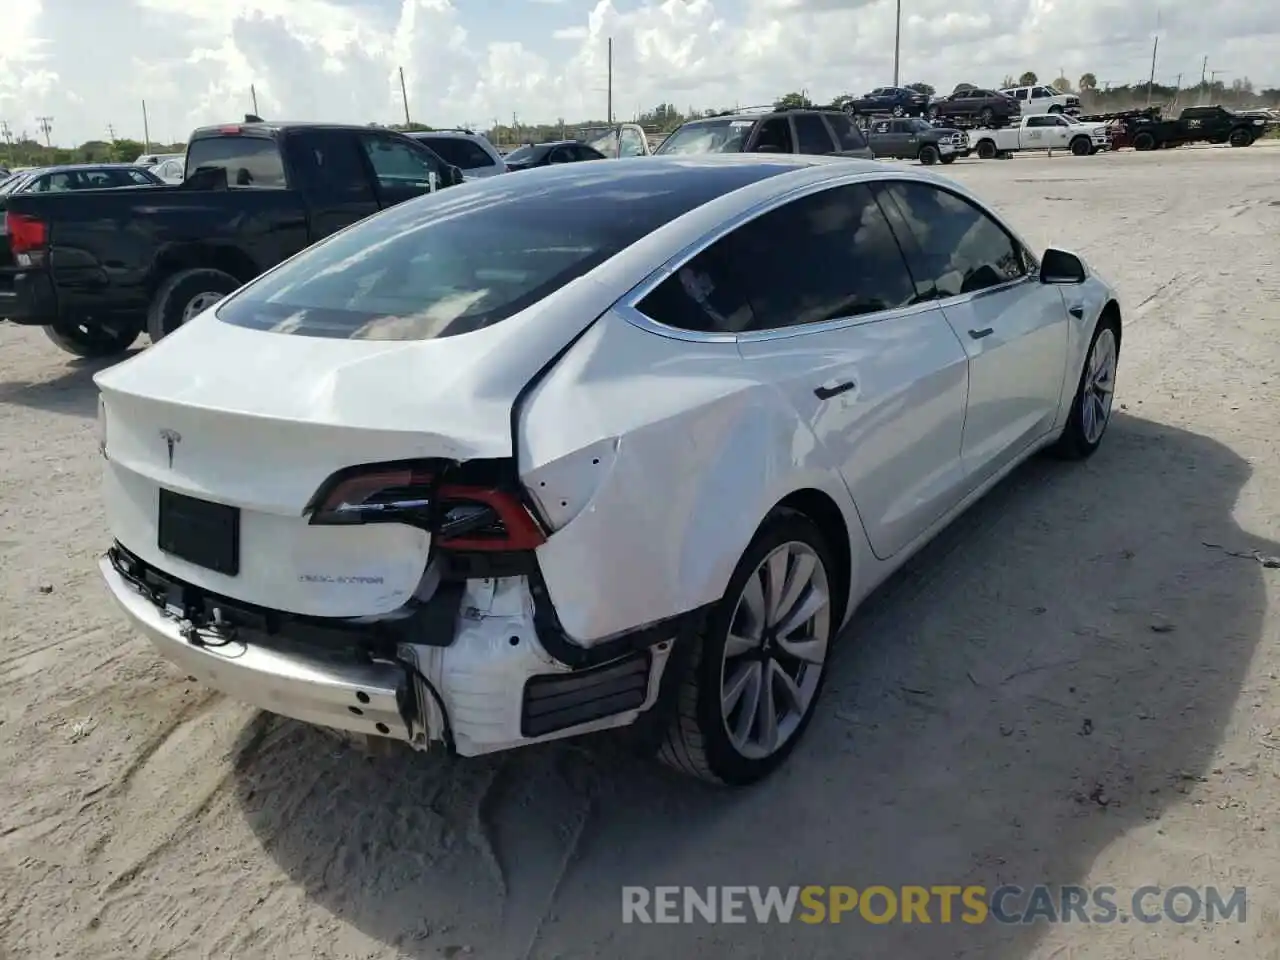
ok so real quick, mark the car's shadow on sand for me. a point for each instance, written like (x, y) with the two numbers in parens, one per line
(1041, 680)
(71, 392)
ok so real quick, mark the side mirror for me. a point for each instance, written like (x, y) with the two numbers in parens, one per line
(453, 175)
(1058, 266)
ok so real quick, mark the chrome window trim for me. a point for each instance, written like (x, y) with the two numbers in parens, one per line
(627, 306)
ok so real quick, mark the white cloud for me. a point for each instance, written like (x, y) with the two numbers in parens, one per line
(196, 63)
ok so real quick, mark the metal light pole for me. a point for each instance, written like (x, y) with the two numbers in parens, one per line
(405, 97)
(897, 42)
(610, 104)
(146, 130)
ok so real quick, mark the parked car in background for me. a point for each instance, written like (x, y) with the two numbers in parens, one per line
(548, 154)
(471, 153)
(986, 108)
(623, 140)
(1043, 99)
(151, 159)
(256, 193)
(910, 138)
(803, 130)
(1209, 124)
(898, 101)
(80, 176)
(171, 170)
(1040, 132)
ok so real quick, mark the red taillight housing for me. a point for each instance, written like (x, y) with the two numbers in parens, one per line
(28, 236)
(461, 515)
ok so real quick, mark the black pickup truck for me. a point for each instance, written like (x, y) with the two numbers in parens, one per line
(96, 268)
(1213, 124)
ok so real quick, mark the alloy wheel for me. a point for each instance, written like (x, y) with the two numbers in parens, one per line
(199, 303)
(1099, 386)
(776, 650)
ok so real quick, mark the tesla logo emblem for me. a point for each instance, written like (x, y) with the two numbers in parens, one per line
(171, 439)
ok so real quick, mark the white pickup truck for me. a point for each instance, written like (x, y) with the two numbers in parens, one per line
(1046, 131)
(1043, 98)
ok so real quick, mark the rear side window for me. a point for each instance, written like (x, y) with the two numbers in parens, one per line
(848, 137)
(825, 256)
(249, 161)
(443, 265)
(811, 134)
(459, 152)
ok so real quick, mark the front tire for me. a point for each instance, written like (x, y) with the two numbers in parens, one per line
(1081, 147)
(93, 341)
(761, 660)
(1240, 138)
(184, 295)
(987, 150)
(929, 155)
(949, 158)
(1091, 406)
(1144, 141)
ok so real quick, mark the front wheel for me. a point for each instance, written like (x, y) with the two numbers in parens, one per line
(1055, 109)
(898, 111)
(93, 340)
(1240, 138)
(1091, 406)
(1144, 141)
(948, 158)
(986, 149)
(184, 296)
(1081, 147)
(751, 688)
(929, 155)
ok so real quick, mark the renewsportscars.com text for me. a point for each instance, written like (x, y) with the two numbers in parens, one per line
(933, 904)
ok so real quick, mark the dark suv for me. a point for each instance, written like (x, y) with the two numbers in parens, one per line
(798, 130)
(987, 108)
(898, 101)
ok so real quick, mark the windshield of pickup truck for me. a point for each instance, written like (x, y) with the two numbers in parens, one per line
(708, 136)
(249, 161)
(438, 267)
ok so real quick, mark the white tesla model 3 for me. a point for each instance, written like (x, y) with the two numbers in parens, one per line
(614, 444)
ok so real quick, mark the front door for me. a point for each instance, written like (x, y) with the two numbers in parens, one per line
(402, 169)
(331, 175)
(1013, 328)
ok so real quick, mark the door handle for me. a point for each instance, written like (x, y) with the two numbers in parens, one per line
(1076, 311)
(979, 334)
(826, 393)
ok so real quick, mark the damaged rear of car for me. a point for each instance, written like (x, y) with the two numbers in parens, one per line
(339, 495)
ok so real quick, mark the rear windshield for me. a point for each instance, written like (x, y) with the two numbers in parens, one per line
(249, 161)
(708, 136)
(457, 261)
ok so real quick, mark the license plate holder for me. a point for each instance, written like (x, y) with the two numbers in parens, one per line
(200, 532)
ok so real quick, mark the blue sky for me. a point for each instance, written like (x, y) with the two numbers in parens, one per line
(90, 64)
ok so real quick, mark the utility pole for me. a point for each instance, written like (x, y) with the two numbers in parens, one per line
(1155, 45)
(46, 126)
(897, 42)
(405, 97)
(1204, 66)
(146, 130)
(7, 134)
(610, 102)
(253, 95)
(111, 132)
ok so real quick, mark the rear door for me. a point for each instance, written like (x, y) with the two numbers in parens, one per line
(882, 139)
(825, 312)
(331, 173)
(1013, 328)
(812, 135)
(849, 139)
(402, 169)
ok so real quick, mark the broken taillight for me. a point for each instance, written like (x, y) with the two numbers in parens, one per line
(461, 515)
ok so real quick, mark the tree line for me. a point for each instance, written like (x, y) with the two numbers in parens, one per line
(665, 117)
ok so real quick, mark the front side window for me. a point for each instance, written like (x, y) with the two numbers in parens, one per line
(630, 144)
(725, 135)
(848, 137)
(1039, 93)
(1040, 122)
(397, 163)
(825, 256)
(249, 161)
(957, 248)
(812, 134)
(774, 136)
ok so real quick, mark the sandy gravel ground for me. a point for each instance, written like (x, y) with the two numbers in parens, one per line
(1070, 687)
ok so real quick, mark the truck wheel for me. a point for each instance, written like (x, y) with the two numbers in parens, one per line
(1055, 109)
(986, 149)
(949, 158)
(1081, 147)
(1144, 141)
(1240, 137)
(94, 340)
(184, 295)
(929, 155)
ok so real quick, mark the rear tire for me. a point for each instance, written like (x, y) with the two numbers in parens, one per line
(986, 116)
(184, 295)
(93, 340)
(698, 742)
(986, 150)
(929, 155)
(1081, 147)
(1092, 404)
